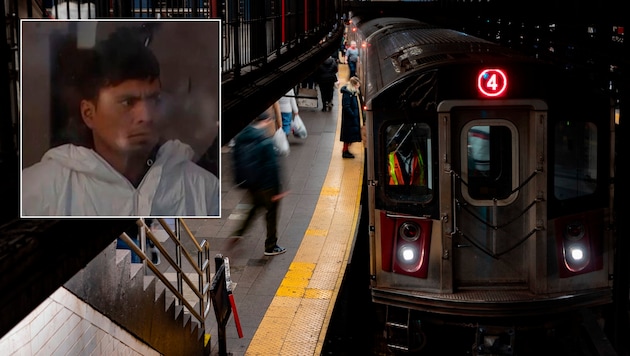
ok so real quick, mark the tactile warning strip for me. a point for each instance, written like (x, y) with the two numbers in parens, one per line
(297, 319)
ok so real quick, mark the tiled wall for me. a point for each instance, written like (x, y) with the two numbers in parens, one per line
(65, 325)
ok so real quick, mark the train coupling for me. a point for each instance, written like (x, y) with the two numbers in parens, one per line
(494, 341)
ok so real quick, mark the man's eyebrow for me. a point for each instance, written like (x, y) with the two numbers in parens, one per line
(150, 95)
(154, 94)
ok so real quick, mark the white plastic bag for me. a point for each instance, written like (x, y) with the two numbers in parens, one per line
(298, 128)
(281, 143)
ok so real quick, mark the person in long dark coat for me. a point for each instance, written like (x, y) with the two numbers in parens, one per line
(326, 78)
(350, 115)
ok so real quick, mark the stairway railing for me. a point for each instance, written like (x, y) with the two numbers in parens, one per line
(201, 267)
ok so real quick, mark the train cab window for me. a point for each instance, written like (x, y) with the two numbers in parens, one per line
(575, 159)
(408, 162)
(489, 165)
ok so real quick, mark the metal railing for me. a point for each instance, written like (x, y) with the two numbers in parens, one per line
(200, 267)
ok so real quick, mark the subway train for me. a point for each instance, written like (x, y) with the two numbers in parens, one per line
(489, 178)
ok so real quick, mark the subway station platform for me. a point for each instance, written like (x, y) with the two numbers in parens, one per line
(285, 302)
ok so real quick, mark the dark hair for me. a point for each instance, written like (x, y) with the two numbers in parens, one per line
(122, 56)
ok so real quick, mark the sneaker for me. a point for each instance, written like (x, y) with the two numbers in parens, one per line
(347, 154)
(276, 251)
(238, 234)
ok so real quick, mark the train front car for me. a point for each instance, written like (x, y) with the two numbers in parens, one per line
(489, 185)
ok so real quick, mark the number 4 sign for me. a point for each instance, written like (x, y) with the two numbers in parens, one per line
(492, 82)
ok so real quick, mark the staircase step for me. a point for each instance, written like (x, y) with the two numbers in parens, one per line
(149, 283)
(136, 299)
(122, 255)
(136, 269)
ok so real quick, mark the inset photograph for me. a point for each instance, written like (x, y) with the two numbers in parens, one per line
(120, 118)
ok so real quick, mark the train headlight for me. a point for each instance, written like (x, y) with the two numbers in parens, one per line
(578, 240)
(576, 257)
(576, 253)
(408, 254)
(405, 244)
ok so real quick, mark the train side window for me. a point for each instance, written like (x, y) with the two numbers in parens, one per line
(489, 165)
(408, 162)
(575, 159)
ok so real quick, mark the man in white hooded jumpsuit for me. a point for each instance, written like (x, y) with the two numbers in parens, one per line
(127, 169)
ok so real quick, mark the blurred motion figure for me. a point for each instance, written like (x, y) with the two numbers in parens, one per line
(263, 183)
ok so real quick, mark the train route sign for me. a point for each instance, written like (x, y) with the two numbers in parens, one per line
(492, 82)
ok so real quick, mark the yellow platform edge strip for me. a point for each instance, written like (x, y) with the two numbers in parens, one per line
(273, 339)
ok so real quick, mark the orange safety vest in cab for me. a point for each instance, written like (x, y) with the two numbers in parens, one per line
(396, 175)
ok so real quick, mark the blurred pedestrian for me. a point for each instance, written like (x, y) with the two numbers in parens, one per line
(342, 48)
(277, 114)
(326, 78)
(288, 108)
(265, 191)
(350, 115)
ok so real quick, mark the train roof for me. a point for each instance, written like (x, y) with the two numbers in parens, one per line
(396, 47)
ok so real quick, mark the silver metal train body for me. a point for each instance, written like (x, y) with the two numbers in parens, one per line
(488, 177)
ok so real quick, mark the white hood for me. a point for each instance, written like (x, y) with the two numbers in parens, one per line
(76, 181)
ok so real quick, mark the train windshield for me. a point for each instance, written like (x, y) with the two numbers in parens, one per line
(575, 169)
(408, 162)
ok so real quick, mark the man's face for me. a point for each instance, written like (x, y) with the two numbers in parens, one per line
(124, 119)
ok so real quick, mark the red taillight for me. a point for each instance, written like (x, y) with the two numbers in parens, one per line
(410, 231)
(405, 244)
(576, 249)
(578, 242)
(575, 230)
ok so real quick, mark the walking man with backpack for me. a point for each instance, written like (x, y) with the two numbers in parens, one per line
(257, 169)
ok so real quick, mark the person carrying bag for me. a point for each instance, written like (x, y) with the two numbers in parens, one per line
(298, 127)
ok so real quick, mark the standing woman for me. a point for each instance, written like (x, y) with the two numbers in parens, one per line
(350, 115)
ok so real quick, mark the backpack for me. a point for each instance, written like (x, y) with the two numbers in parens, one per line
(245, 163)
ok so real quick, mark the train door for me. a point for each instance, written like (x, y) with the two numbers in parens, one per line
(490, 190)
